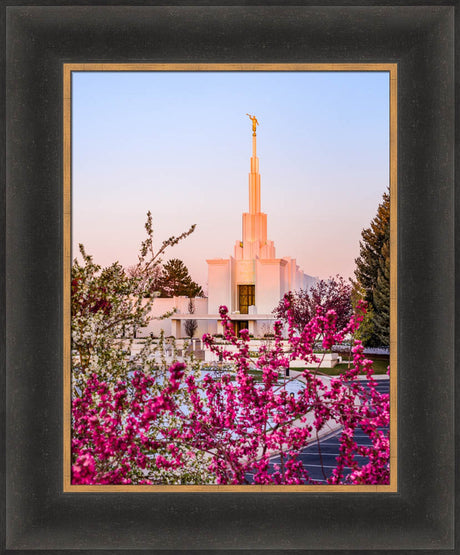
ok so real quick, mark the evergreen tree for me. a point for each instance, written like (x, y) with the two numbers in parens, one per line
(367, 328)
(382, 297)
(176, 281)
(373, 273)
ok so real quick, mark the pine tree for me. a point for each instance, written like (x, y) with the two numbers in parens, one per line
(382, 297)
(373, 273)
(176, 281)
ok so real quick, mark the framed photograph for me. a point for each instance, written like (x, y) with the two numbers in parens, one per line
(97, 96)
(266, 433)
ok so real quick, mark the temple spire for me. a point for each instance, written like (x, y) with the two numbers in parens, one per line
(254, 244)
(254, 176)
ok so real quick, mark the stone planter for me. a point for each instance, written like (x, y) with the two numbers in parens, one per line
(328, 360)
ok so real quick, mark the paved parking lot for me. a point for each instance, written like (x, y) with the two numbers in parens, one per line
(320, 460)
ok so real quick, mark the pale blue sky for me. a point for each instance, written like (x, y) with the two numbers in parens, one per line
(179, 144)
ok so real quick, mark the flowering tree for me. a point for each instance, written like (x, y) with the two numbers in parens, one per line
(108, 304)
(230, 425)
(331, 294)
(108, 307)
(149, 282)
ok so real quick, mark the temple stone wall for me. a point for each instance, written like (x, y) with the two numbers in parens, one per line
(163, 306)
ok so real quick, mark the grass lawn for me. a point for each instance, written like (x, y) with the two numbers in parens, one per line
(380, 367)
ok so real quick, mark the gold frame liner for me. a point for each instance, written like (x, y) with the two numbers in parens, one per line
(68, 68)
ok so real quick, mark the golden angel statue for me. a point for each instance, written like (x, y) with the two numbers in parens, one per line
(254, 123)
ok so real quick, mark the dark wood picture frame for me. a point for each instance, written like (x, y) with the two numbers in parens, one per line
(390, 69)
(38, 514)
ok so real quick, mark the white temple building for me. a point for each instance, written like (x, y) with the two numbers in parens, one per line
(252, 281)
